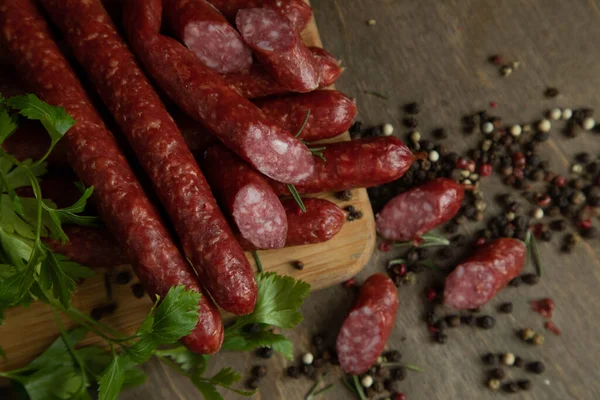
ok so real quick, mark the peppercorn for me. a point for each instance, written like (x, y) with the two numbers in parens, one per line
(378, 386)
(571, 130)
(138, 290)
(308, 370)
(412, 108)
(530, 279)
(468, 320)
(293, 371)
(299, 265)
(551, 92)
(508, 359)
(441, 337)
(489, 359)
(497, 373)
(398, 374)
(252, 384)
(515, 282)
(537, 339)
(264, 352)
(259, 371)
(441, 324)
(392, 355)
(410, 122)
(524, 384)
(431, 318)
(526, 334)
(412, 256)
(318, 341)
(451, 228)
(589, 233)
(505, 308)
(519, 362)
(510, 387)
(318, 362)
(494, 384)
(356, 127)
(345, 195)
(445, 253)
(123, 278)
(486, 322)
(536, 367)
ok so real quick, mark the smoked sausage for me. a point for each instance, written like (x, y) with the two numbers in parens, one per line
(247, 197)
(420, 209)
(297, 12)
(330, 113)
(368, 325)
(358, 163)
(94, 155)
(203, 95)
(488, 270)
(206, 237)
(257, 82)
(321, 222)
(202, 28)
(279, 49)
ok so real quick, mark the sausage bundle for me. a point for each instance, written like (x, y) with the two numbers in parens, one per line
(203, 95)
(368, 325)
(97, 160)
(205, 235)
(359, 163)
(420, 209)
(257, 82)
(247, 197)
(476, 280)
(208, 35)
(279, 49)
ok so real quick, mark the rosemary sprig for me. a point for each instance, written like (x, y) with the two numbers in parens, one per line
(259, 265)
(533, 254)
(303, 124)
(296, 196)
(376, 94)
(427, 240)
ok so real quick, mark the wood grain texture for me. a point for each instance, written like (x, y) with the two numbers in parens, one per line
(326, 264)
(435, 52)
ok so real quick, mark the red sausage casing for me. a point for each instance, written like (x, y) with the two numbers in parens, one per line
(202, 28)
(358, 163)
(488, 270)
(203, 95)
(257, 82)
(297, 12)
(247, 197)
(205, 235)
(279, 49)
(331, 113)
(367, 327)
(96, 158)
(420, 209)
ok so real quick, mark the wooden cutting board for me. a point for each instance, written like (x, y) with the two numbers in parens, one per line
(28, 331)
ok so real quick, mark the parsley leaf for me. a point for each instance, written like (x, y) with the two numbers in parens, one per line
(112, 379)
(8, 125)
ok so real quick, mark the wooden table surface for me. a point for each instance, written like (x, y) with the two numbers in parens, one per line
(435, 52)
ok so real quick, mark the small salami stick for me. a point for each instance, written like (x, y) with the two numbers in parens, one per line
(279, 49)
(330, 113)
(368, 325)
(200, 26)
(488, 270)
(247, 197)
(420, 209)
(321, 222)
(257, 82)
(358, 163)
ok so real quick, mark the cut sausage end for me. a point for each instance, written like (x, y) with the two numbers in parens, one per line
(260, 217)
(218, 46)
(361, 340)
(469, 286)
(265, 29)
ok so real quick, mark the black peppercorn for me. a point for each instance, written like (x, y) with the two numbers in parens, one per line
(392, 355)
(537, 367)
(530, 279)
(123, 278)
(293, 371)
(398, 374)
(486, 322)
(519, 362)
(345, 195)
(308, 370)
(515, 282)
(318, 362)
(451, 228)
(138, 290)
(412, 256)
(524, 384)
(264, 352)
(412, 108)
(468, 320)
(453, 321)
(510, 387)
(252, 384)
(378, 386)
(389, 385)
(559, 225)
(411, 122)
(440, 324)
(551, 92)
(546, 236)
(489, 359)
(441, 337)
(299, 265)
(318, 341)
(590, 233)
(356, 127)
(505, 308)
(259, 371)
(497, 373)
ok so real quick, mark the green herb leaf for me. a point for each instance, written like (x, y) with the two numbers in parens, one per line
(54, 119)
(247, 341)
(176, 316)
(208, 390)
(296, 197)
(113, 378)
(427, 240)
(190, 362)
(259, 265)
(227, 377)
(63, 285)
(303, 124)
(8, 125)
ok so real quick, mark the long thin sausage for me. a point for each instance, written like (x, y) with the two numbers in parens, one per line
(279, 49)
(203, 95)
(488, 270)
(297, 12)
(94, 155)
(200, 26)
(247, 197)
(206, 237)
(367, 327)
(358, 163)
